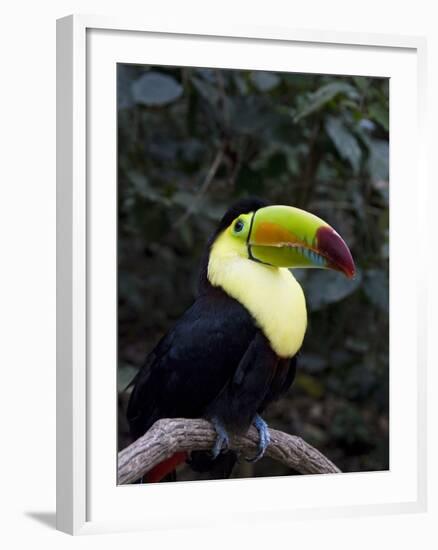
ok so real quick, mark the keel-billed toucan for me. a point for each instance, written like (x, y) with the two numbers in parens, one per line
(234, 350)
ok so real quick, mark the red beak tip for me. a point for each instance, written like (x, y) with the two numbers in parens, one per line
(335, 249)
(349, 270)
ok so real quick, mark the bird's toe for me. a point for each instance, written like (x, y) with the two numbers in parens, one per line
(264, 438)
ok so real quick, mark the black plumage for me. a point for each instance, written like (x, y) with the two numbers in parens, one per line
(214, 363)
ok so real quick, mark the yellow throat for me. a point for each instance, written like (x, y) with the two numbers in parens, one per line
(272, 295)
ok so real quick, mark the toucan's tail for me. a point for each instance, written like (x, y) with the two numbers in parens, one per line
(166, 469)
(200, 461)
(218, 468)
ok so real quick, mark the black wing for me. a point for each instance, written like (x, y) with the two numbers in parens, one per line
(192, 364)
(248, 388)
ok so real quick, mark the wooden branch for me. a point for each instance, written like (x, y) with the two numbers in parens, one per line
(168, 436)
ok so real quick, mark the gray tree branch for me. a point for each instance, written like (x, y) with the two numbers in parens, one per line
(168, 436)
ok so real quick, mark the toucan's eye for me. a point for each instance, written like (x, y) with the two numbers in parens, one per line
(238, 226)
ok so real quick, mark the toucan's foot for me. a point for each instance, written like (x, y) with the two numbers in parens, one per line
(222, 440)
(264, 440)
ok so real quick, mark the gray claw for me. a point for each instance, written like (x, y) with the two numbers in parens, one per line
(222, 440)
(264, 440)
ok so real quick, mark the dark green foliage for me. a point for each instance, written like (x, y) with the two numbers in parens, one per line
(193, 140)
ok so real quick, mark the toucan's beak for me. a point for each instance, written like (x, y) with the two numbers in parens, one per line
(284, 236)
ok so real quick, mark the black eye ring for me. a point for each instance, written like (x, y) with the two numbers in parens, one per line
(238, 226)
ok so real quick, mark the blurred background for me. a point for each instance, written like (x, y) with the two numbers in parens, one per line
(190, 142)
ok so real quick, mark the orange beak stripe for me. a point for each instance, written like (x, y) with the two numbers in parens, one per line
(272, 234)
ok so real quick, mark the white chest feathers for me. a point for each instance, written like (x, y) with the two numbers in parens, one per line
(272, 295)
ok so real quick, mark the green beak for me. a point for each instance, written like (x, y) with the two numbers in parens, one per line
(284, 236)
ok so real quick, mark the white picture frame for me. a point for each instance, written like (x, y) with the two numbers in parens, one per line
(87, 500)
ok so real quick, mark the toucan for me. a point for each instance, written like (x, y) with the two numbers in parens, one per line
(234, 350)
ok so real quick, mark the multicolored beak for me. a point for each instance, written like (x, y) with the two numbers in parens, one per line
(284, 236)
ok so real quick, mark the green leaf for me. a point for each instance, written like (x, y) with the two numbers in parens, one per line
(265, 81)
(125, 375)
(344, 141)
(240, 82)
(207, 90)
(327, 287)
(141, 187)
(322, 96)
(362, 82)
(380, 114)
(156, 89)
(378, 161)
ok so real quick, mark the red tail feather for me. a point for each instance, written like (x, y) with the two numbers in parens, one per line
(161, 470)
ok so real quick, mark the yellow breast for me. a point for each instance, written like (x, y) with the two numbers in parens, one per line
(272, 295)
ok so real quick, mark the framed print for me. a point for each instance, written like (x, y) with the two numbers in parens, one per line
(200, 173)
